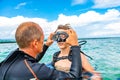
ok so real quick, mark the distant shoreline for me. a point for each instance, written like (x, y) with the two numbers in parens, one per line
(13, 41)
(7, 41)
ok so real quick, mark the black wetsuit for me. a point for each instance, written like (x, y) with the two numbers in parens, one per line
(14, 68)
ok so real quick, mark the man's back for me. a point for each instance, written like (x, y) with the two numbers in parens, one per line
(15, 69)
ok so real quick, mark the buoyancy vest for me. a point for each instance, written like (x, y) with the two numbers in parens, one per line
(69, 57)
(56, 58)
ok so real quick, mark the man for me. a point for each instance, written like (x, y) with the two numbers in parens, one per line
(22, 64)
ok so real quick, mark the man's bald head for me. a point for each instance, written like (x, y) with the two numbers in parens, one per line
(27, 32)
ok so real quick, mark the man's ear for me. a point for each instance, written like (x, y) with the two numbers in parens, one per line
(34, 43)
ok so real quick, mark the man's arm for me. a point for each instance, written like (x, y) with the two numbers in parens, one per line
(76, 66)
(40, 55)
(45, 47)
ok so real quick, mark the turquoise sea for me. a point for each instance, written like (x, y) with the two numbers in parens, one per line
(104, 51)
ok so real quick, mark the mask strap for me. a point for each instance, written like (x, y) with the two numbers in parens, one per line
(28, 66)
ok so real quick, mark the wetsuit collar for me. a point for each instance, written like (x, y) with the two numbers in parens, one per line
(28, 57)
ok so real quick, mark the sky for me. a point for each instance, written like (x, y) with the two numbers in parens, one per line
(89, 18)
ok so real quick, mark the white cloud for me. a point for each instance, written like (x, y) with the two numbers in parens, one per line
(76, 2)
(99, 3)
(89, 24)
(106, 3)
(93, 24)
(9, 25)
(20, 5)
(111, 28)
(105, 33)
(114, 26)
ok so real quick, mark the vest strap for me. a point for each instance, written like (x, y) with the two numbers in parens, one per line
(30, 69)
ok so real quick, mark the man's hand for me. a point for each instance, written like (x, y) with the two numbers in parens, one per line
(49, 40)
(72, 39)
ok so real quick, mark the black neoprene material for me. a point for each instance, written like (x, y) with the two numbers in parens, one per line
(14, 68)
(56, 58)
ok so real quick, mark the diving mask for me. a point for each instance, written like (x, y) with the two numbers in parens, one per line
(60, 36)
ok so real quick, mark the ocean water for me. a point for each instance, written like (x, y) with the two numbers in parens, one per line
(104, 51)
